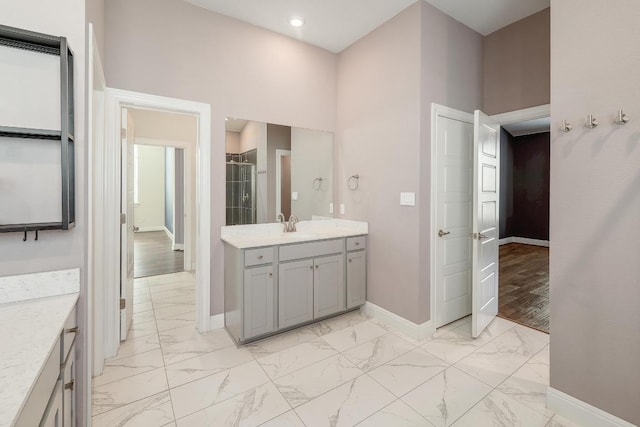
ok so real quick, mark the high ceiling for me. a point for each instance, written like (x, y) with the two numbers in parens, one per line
(336, 24)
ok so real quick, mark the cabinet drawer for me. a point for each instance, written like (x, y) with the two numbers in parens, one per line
(356, 243)
(312, 249)
(258, 256)
(69, 334)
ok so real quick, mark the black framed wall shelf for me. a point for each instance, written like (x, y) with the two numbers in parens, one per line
(37, 162)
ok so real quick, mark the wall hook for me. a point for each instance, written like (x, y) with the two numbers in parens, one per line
(592, 121)
(24, 239)
(566, 126)
(621, 118)
(36, 235)
(317, 183)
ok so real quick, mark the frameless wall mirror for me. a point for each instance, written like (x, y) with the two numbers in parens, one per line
(274, 169)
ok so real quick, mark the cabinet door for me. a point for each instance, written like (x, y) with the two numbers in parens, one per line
(53, 414)
(69, 392)
(328, 285)
(295, 292)
(259, 301)
(356, 278)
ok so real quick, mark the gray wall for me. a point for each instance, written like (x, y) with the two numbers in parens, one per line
(386, 83)
(178, 234)
(172, 48)
(169, 186)
(595, 205)
(516, 65)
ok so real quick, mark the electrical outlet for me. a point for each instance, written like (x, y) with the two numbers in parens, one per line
(407, 199)
(330, 207)
(341, 208)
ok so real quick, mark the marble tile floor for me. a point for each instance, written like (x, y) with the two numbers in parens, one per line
(345, 371)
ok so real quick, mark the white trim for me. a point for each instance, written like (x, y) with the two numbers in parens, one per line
(539, 112)
(148, 229)
(169, 234)
(217, 321)
(524, 241)
(178, 247)
(407, 327)
(436, 111)
(581, 412)
(107, 174)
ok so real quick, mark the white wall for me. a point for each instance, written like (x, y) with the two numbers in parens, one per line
(311, 157)
(232, 142)
(595, 205)
(149, 212)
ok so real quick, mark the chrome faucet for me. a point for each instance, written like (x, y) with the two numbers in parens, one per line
(280, 218)
(290, 226)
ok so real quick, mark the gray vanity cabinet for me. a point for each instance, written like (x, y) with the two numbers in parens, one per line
(259, 301)
(356, 278)
(53, 415)
(328, 285)
(295, 292)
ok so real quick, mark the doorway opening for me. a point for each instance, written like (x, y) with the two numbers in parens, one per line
(524, 223)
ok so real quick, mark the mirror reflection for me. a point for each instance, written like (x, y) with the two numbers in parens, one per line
(274, 169)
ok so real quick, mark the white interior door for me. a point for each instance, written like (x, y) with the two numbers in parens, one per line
(126, 230)
(486, 178)
(454, 157)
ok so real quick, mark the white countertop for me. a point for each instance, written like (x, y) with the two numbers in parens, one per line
(256, 235)
(29, 331)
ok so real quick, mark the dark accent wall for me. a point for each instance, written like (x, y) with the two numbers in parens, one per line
(524, 185)
(531, 185)
(506, 184)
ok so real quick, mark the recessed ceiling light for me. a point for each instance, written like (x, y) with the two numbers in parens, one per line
(296, 21)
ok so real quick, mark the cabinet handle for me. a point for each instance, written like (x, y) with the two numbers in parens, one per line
(69, 386)
(350, 260)
(357, 243)
(260, 257)
(270, 274)
(73, 330)
(317, 266)
(311, 267)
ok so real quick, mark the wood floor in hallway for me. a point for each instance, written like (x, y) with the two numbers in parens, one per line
(153, 255)
(524, 285)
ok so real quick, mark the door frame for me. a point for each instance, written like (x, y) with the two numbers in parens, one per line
(537, 112)
(189, 191)
(107, 170)
(280, 153)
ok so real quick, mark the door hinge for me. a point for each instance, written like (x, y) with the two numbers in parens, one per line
(123, 303)
(123, 218)
(123, 133)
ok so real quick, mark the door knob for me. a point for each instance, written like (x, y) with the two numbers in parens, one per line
(443, 233)
(479, 236)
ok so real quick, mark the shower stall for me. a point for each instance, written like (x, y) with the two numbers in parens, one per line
(241, 188)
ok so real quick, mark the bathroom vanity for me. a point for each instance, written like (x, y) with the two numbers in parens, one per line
(37, 364)
(276, 281)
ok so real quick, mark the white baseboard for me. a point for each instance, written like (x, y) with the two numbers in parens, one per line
(155, 228)
(407, 327)
(216, 322)
(524, 241)
(178, 246)
(580, 412)
(168, 233)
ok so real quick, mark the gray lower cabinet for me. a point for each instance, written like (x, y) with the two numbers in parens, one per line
(259, 294)
(356, 278)
(328, 285)
(295, 292)
(53, 415)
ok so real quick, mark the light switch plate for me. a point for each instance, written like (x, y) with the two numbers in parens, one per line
(294, 195)
(407, 199)
(330, 207)
(341, 208)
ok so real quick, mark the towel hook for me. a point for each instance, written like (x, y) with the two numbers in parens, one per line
(592, 122)
(318, 180)
(24, 239)
(566, 126)
(621, 118)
